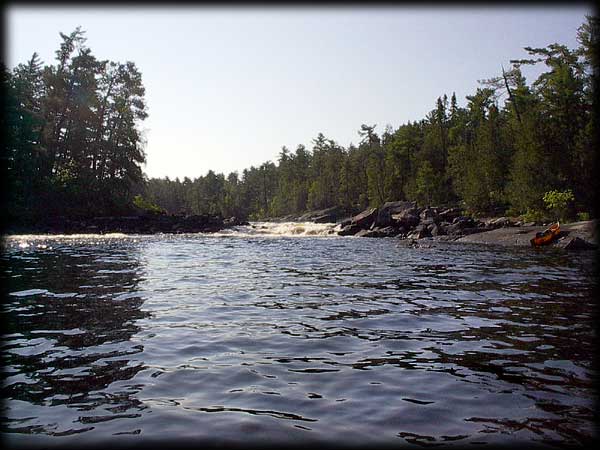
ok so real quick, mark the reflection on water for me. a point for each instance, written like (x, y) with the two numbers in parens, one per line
(248, 339)
(68, 340)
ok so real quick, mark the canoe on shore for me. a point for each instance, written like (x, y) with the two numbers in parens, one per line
(547, 236)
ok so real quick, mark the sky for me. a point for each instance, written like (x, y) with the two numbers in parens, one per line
(226, 88)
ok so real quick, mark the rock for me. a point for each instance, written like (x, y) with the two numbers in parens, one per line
(365, 218)
(384, 216)
(472, 230)
(234, 221)
(328, 215)
(349, 230)
(345, 222)
(459, 224)
(325, 218)
(499, 222)
(465, 221)
(577, 243)
(381, 232)
(405, 219)
(435, 229)
(429, 213)
(419, 232)
(363, 233)
(449, 214)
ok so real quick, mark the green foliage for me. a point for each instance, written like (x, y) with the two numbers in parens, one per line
(532, 215)
(73, 145)
(558, 202)
(428, 185)
(146, 205)
(581, 216)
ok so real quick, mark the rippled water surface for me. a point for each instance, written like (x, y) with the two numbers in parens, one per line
(251, 337)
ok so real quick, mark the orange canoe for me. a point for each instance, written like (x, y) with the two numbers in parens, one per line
(547, 236)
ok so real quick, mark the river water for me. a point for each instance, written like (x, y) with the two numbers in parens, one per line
(284, 333)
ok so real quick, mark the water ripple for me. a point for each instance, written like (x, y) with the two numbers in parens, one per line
(250, 338)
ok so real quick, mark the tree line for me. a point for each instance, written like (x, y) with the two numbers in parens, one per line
(75, 146)
(510, 145)
(72, 144)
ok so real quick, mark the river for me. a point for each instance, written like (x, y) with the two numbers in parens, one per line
(285, 333)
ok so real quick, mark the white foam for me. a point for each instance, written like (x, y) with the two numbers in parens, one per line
(284, 229)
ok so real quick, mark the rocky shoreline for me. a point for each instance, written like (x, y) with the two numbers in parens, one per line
(404, 220)
(400, 219)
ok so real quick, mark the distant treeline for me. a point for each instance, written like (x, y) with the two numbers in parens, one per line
(489, 157)
(74, 146)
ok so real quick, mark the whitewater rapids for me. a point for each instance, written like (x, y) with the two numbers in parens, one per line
(282, 229)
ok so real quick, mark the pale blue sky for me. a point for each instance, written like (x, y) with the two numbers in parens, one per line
(227, 88)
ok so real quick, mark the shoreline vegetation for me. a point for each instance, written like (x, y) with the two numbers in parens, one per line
(516, 156)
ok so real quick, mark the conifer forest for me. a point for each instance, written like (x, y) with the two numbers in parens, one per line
(74, 146)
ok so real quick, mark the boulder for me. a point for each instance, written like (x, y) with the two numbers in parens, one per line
(365, 218)
(429, 213)
(345, 222)
(327, 215)
(577, 243)
(349, 230)
(459, 224)
(463, 221)
(421, 231)
(384, 216)
(449, 214)
(380, 232)
(435, 229)
(499, 222)
(234, 221)
(405, 219)
(324, 218)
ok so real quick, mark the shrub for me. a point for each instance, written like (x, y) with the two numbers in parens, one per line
(558, 202)
(533, 216)
(146, 205)
(583, 216)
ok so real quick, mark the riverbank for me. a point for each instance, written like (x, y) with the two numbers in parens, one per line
(401, 220)
(136, 224)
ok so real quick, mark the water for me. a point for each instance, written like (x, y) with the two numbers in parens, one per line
(287, 334)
